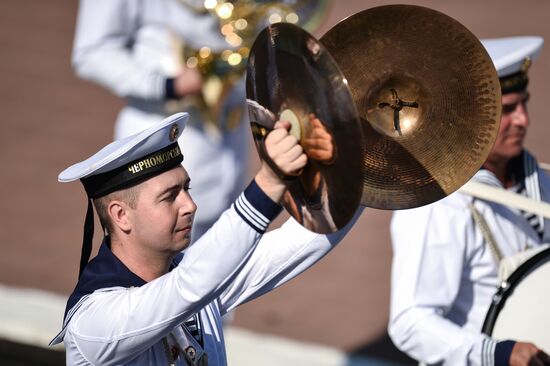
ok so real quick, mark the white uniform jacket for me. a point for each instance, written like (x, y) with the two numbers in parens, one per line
(131, 47)
(118, 319)
(444, 275)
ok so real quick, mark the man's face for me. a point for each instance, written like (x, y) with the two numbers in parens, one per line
(513, 127)
(162, 219)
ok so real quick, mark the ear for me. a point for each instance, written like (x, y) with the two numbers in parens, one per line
(119, 213)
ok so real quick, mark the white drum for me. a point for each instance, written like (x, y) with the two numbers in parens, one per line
(520, 308)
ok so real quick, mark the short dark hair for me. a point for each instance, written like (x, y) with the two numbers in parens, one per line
(127, 195)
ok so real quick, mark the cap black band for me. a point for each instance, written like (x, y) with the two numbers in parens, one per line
(134, 172)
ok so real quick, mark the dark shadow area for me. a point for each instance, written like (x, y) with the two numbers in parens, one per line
(384, 350)
(17, 354)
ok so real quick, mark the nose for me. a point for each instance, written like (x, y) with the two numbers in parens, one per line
(520, 116)
(187, 205)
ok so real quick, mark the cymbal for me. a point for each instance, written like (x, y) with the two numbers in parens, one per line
(290, 76)
(428, 98)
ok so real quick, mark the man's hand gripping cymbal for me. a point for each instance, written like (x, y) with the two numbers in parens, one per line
(287, 154)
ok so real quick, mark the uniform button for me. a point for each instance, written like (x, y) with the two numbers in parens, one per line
(191, 352)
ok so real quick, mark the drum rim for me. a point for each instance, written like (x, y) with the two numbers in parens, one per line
(504, 292)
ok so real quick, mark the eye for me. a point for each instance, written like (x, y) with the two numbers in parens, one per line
(508, 108)
(171, 197)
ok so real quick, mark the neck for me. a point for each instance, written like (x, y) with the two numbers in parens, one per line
(499, 168)
(141, 262)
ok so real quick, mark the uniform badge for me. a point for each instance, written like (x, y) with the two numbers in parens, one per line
(526, 64)
(174, 132)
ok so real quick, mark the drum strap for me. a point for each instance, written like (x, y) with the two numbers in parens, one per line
(506, 265)
(486, 232)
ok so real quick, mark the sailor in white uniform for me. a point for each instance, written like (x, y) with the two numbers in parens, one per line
(135, 49)
(444, 273)
(151, 298)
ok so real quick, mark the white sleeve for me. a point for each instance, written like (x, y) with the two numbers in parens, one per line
(428, 259)
(102, 51)
(281, 255)
(113, 325)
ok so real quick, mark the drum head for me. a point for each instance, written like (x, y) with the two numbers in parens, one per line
(520, 309)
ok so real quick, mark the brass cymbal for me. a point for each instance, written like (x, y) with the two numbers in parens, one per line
(290, 76)
(428, 98)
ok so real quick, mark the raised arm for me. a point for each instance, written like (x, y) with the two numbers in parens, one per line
(281, 255)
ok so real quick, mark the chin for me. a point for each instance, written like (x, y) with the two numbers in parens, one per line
(184, 244)
(180, 243)
(517, 151)
(512, 150)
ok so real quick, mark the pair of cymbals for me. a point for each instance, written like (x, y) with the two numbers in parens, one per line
(403, 101)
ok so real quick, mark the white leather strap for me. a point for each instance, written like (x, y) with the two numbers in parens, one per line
(506, 198)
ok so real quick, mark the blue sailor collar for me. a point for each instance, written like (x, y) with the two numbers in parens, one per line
(105, 271)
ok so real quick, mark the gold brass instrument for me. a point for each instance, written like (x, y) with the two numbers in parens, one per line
(239, 23)
(408, 91)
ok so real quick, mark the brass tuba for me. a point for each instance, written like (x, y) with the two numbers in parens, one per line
(240, 22)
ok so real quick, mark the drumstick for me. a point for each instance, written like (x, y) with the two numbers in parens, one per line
(504, 197)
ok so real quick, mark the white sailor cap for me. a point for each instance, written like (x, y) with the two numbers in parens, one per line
(512, 57)
(130, 160)
(125, 163)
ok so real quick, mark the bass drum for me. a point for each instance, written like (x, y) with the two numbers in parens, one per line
(519, 310)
